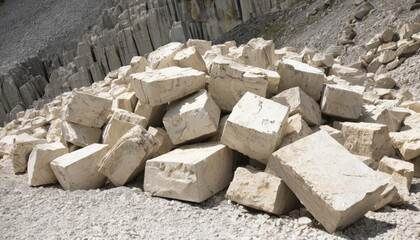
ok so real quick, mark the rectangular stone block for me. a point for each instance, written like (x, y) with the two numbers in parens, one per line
(262, 191)
(407, 142)
(153, 114)
(80, 135)
(201, 45)
(22, 147)
(252, 128)
(190, 57)
(166, 144)
(163, 57)
(296, 129)
(126, 101)
(87, 110)
(191, 118)
(316, 168)
(127, 158)
(259, 53)
(39, 170)
(191, 173)
(79, 169)
(162, 86)
(342, 102)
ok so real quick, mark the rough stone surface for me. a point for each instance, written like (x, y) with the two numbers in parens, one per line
(253, 129)
(79, 169)
(316, 168)
(163, 57)
(259, 53)
(162, 136)
(342, 102)
(153, 114)
(407, 142)
(296, 129)
(190, 57)
(261, 191)
(80, 135)
(21, 149)
(190, 173)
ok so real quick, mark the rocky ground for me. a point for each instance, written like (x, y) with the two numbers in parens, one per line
(128, 212)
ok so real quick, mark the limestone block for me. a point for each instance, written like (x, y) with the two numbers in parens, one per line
(126, 101)
(297, 74)
(164, 85)
(252, 128)
(191, 118)
(416, 163)
(386, 116)
(389, 195)
(190, 57)
(127, 158)
(296, 129)
(334, 133)
(119, 124)
(39, 170)
(353, 75)
(6, 144)
(55, 132)
(22, 147)
(387, 56)
(262, 191)
(407, 142)
(259, 53)
(384, 81)
(316, 168)
(367, 139)
(190, 173)
(87, 110)
(374, 42)
(80, 135)
(343, 102)
(387, 46)
(166, 144)
(137, 64)
(201, 45)
(163, 57)
(402, 168)
(322, 60)
(299, 102)
(79, 169)
(153, 114)
(412, 122)
(412, 105)
(408, 29)
(218, 134)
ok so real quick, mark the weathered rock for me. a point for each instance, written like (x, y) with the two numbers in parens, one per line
(126, 101)
(162, 86)
(22, 147)
(217, 136)
(191, 118)
(166, 144)
(153, 114)
(296, 129)
(297, 74)
(163, 57)
(6, 144)
(353, 75)
(316, 168)
(362, 10)
(127, 158)
(416, 163)
(190, 57)
(190, 173)
(299, 102)
(387, 47)
(342, 102)
(384, 81)
(412, 122)
(55, 132)
(409, 48)
(322, 60)
(80, 135)
(253, 129)
(412, 105)
(407, 142)
(201, 45)
(259, 53)
(334, 133)
(408, 29)
(386, 116)
(138, 64)
(39, 170)
(262, 191)
(367, 139)
(389, 195)
(87, 110)
(373, 43)
(79, 169)
(387, 56)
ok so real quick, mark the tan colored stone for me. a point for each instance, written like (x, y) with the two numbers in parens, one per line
(387, 56)
(162, 86)
(407, 142)
(79, 169)
(296, 129)
(138, 64)
(80, 135)
(389, 195)
(201, 45)
(352, 75)
(153, 114)
(39, 170)
(190, 57)
(334, 133)
(259, 53)
(416, 163)
(126, 101)
(163, 57)
(6, 144)
(190, 173)
(262, 191)
(191, 118)
(22, 147)
(316, 168)
(165, 142)
(253, 129)
(342, 102)
(412, 105)
(218, 134)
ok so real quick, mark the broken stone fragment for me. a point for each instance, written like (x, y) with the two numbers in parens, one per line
(190, 173)
(342, 102)
(407, 142)
(22, 147)
(163, 137)
(201, 45)
(163, 57)
(389, 195)
(80, 135)
(126, 101)
(153, 114)
(190, 57)
(259, 53)
(262, 191)
(297, 128)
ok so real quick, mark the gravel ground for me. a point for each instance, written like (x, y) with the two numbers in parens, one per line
(128, 212)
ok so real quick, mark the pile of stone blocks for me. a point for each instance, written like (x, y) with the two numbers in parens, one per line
(278, 129)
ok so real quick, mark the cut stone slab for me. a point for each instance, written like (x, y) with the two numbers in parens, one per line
(127, 158)
(190, 173)
(262, 191)
(79, 169)
(342, 102)
(252, 128)
(153, 114)
(191, 118)
(121, 122)
(367, 139)
(39, 170)
(163, 57)
(316, 168)
(259, 53)
(407, 142)
(88, 110)
(162, 86)
(22, 147)
(80, 135)
(296, 129)
(297, 74)
(190, 57)
(299, 102)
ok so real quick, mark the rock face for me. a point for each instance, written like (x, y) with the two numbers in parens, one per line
(21, 149)
(190, 57)
(127, 158)
(165, 85)
(316, 168)
(252, 128)
(79, 169)
(190, 173)
(342, 102)
(259, 53)
(163, 57)
(407, 142)
(193, 117)
(261, 191)
(39, 170)
(402, 174)
(80, 135)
